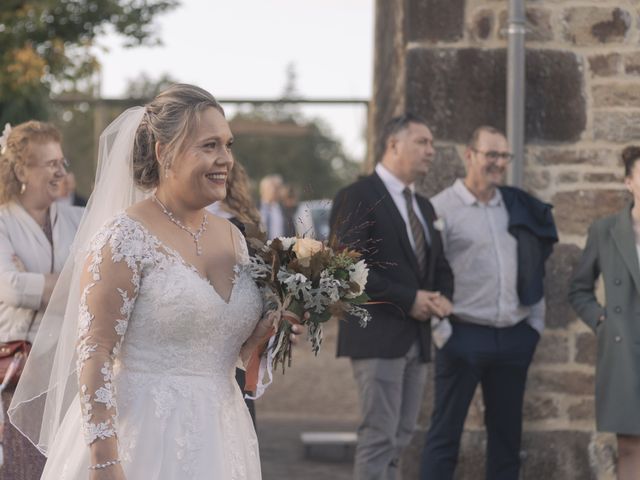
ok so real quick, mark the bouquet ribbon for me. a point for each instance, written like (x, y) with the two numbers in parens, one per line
(259, 363)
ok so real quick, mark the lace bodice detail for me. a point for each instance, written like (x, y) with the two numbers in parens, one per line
(145, 311)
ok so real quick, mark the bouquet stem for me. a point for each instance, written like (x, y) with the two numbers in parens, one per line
(292, 311)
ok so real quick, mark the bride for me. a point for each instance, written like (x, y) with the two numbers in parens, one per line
(132, 373)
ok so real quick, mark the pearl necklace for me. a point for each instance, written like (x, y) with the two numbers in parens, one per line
(196, 235)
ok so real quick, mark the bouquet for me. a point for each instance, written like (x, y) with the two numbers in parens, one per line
(298, 275)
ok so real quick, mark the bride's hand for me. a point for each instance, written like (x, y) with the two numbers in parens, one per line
(263, 329)
(113, 472)
(297, 330)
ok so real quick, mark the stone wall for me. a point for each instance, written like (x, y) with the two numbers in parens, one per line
(446, 60)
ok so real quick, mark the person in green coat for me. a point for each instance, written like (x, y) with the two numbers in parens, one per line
(613, 250)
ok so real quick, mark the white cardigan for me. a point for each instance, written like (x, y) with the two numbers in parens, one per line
(21, 292)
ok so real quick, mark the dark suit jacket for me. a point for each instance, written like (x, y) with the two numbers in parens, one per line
(365, 218)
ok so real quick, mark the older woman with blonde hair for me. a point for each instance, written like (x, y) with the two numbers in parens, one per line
(35, 236)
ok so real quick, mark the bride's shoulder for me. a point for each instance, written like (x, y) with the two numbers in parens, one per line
(123, 233)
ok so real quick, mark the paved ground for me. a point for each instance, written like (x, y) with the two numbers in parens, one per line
(283, 456)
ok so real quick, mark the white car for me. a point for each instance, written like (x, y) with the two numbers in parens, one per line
(312, 219)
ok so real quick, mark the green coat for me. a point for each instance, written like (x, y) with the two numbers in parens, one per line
(611, 251)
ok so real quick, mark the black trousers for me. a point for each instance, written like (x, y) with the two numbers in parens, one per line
(498, 359)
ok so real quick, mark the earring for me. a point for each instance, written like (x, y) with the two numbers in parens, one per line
(23, 188)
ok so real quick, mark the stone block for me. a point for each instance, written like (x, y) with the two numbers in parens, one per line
(600, 157)
(434, 20)
(584, 409)
(445, 169)
(586, 26)
(567, 177)
(603, 454)
(616, 95)
(552, 348)
(616, 126)
(576, 210)
(536, 180)
(482, 24)
(539, 407)
(597, 177)
(457, 90)
(538, 24)
(559, 268)
(563, 382)
(556, 455)
(632, 63)
(586, 348)
(605, 65)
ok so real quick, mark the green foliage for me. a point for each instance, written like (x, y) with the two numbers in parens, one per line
(50, 44)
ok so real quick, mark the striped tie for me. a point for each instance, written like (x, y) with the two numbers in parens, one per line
(417, 232)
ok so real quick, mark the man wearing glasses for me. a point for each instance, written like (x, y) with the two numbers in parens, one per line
(496, 240)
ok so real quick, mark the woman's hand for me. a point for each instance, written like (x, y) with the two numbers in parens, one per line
(297, 329)
(112, 472)
(264, 329)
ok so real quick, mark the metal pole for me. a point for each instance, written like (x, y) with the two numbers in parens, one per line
(516, 88)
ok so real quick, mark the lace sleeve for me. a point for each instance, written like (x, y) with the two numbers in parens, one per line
(109, 286)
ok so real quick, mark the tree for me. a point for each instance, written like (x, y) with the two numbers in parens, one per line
(277, 138)
(302, 153)
(48, 45)
(146, 88)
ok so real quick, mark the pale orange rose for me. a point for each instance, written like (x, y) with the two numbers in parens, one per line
(304, 248)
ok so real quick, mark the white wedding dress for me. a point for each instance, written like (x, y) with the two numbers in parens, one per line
(156, 364)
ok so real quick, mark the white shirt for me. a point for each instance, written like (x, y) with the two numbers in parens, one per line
(484, 258)
(273, 219)
(395, 187)
(21, 292)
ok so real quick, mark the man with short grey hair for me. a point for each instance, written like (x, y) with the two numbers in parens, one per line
(496, 240)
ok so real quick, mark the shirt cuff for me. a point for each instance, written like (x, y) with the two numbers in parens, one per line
(537, 314)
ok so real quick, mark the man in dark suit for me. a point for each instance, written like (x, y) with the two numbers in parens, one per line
(409, 282)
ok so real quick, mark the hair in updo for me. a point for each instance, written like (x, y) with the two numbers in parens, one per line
(630, 155)
(18, 153)
(169, 120)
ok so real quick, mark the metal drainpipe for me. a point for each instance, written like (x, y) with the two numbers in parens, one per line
(516, 88)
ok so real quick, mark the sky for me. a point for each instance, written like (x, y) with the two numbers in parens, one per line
(241, 48)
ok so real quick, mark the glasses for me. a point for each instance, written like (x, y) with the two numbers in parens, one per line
(55, 164)
(494, 155)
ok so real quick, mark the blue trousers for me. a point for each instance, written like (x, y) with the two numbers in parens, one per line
(498, 359)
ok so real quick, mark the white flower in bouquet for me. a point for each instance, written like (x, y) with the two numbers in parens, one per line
(304, 248)
(287, 242)
(358, 274)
